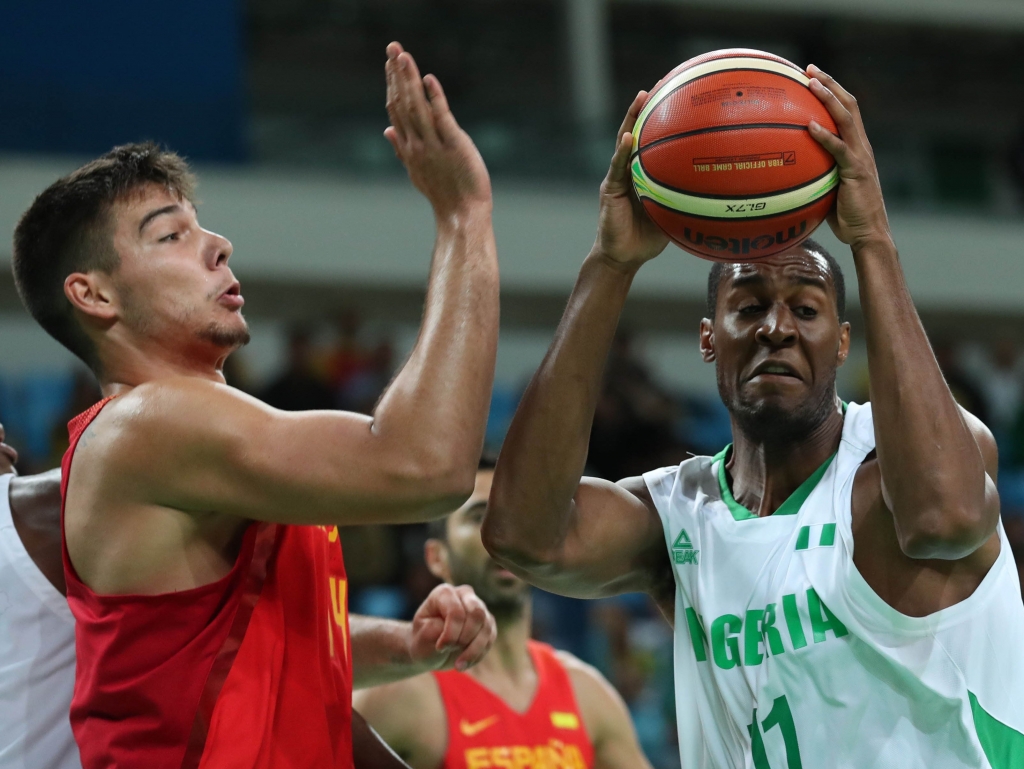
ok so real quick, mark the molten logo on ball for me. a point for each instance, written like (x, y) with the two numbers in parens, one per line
(744, 246)
(725, 178)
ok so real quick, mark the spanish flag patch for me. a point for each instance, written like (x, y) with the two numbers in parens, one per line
(564, 720)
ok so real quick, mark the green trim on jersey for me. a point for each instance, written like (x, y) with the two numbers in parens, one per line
(791, 506)
(1003, 745)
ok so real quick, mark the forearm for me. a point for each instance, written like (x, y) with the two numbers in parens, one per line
(436, 408)
(369, 751)
(380, 652)
(545, 451)
(933, 472)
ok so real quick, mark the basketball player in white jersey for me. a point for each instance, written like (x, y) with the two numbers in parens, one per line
(842, 589)
(37, 630)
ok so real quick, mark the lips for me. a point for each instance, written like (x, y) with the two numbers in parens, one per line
(774, 368)
(232, 297)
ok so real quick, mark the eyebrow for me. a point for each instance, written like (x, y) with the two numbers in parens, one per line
(158, 212)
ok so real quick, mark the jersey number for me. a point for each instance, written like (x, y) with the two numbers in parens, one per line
(781, 716)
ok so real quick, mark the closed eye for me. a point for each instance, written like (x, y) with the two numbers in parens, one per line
(806, 312)
(751, 309)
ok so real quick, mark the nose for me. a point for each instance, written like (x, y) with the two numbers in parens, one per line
(219, 250)
(779, 328)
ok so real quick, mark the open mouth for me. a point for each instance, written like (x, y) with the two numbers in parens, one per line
(774, 369)
(232, 297)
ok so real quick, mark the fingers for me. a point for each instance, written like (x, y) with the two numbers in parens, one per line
(444, 120)
(476, 615)
(479, 647)
(449, 606)
(633, 113)
(393, 103)
(417, 111)
(8, 458)
(844, 120)
(846, 98)
(832, 143)
(618, 170)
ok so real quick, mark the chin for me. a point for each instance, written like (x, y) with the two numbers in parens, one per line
(228, 336)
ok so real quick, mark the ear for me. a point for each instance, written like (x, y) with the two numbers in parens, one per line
(707, 340)
(844, 343)
(435, 553)
(92, 294)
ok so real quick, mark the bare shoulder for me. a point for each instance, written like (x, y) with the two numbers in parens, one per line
(164, 418)
(409, 715)
(593, 691)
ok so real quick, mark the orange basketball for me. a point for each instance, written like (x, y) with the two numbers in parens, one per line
(722, 158)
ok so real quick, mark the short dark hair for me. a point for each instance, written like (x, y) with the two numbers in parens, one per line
(67, 229)
(810, 245)
(438, 528)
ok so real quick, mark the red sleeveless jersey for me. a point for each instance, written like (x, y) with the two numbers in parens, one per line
(252, 671)
(484, 732)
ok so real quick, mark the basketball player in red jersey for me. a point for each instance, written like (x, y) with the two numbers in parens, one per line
(200, 544)
(525, 705)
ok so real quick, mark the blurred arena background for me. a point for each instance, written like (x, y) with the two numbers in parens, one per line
(280, 104)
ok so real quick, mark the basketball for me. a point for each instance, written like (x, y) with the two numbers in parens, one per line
(722, 159)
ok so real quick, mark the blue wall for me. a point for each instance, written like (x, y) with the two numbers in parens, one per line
(81, 77)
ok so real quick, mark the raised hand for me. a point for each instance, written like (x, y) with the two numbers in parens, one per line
(859, 217)
(442, 161)
(625, 233)
(452, 628)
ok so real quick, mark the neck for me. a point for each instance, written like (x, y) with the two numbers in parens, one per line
(509, 657)
(123, 366)
(765, 474)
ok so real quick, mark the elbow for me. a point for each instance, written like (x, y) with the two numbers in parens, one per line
(946, 534)
(508, 545)
(438, 485)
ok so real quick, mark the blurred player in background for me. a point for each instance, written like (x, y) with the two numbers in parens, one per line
(37, 630)
(525, 705)
(843, 592)
(209, 628)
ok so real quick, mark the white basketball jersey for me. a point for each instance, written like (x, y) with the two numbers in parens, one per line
(37, 659)
(785, 658)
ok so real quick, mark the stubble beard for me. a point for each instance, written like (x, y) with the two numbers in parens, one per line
(767, 423)
(225, 336)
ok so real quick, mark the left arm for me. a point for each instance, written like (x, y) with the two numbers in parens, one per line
(932, 457)
(606, 717)
(451, 629)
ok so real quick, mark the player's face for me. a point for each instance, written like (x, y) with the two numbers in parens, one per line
(173, 284)
(776, 342)
(470, 564)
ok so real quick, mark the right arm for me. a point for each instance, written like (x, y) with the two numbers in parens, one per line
(578, 536)
(196, 446)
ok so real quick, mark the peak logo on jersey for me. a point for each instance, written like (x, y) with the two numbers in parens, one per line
(554, 755)
(564, 720)
(683, 551)
(472, 729)
(760, 635)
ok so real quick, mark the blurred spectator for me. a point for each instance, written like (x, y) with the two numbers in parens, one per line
(299, 388)
(348, 357)
(634, 421)
(1000, 379)
(364, 385)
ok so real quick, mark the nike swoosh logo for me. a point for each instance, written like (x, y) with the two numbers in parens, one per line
(469, 729)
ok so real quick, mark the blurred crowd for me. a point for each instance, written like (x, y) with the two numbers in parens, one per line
(640, 424)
